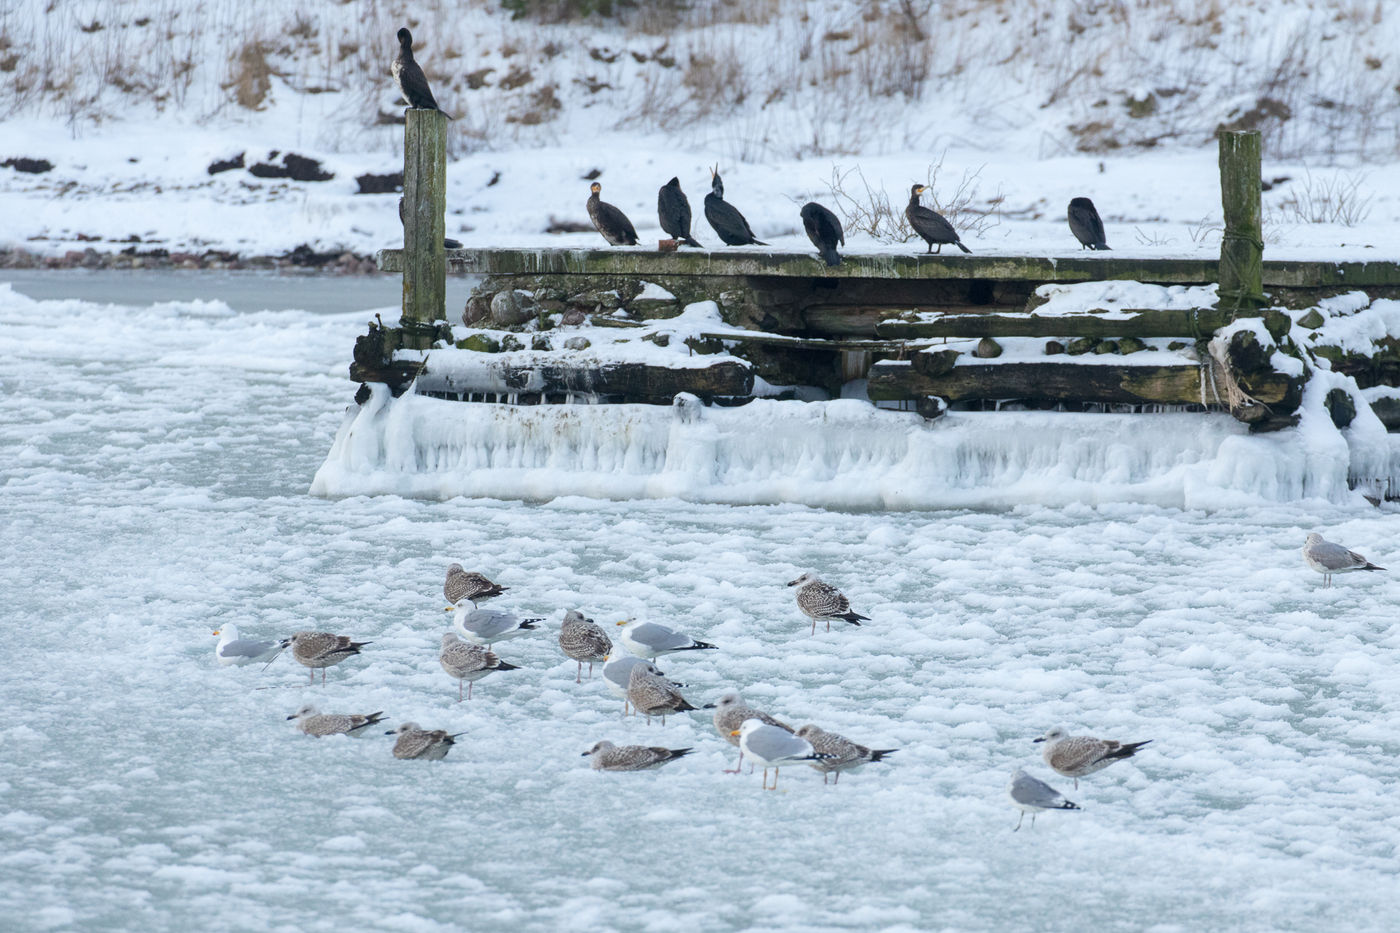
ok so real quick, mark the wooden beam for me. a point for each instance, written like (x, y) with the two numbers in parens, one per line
(1135, 323)
(1041, 382)
(424, 217)
(630, 382)
(1242, 244)
(742, 262)
(807, 343)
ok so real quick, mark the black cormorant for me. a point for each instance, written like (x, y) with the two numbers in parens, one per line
(611, 222)
(674, 211)
(930, 225)
(412, 83)
(1085, 224)
(731, 226)
(824, 230)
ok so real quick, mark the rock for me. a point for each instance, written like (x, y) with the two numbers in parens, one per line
(579, 342)
(1340, 407)
(388, 183)
(28, 166)
(1312, 320)
(987, 349)
(1081, 345)
(225, 165)
(513, 307)
(295, 167)
(1106, 346)
(540, 342)
(1178, 345)
(1127, 345)
(661, 340)
(510, 343)
(478, 309)
(931, 407)
(1054, 348)
(573, 317)
(481, 343)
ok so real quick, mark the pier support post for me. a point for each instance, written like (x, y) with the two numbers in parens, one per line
(424, 225)
(1242, 246)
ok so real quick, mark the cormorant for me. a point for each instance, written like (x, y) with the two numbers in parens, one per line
(412, 83)
(824, 230)
(611, 222)
(447, 242)
(674, 211)
(930, 225)
(1085, 224)
(731, 226)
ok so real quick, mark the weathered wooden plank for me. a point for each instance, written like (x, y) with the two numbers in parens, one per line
(425, 206)
(1138, 323)
(1242, 244)
(720, 264)
(1041, 382)
(805, 343)
(632, 382)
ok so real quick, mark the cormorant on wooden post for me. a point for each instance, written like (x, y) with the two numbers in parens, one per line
(929, 224)
(824, 230)
(411, 80)
(610, 222)
(673, 210)
(1085, 224)
(731, 226)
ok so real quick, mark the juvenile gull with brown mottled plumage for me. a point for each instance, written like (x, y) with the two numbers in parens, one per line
(320, 650)
(822, 601)
(609, 757)
(469, 585)
(845, 754)
(316, 723)
(1079, 755)
(654, 695)
(582, 640)
(426, 744)
(468, 663)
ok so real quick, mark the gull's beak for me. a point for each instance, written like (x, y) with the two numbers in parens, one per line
(215, 632)
(391, 732)
(793, 582)
(736, 732)
(1041, 739)
(584, 755)
(706, 706)
(293, 716)
(624, 621)
(449, 609)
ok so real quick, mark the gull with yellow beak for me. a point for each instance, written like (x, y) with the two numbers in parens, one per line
(772, 746)
(650, 640)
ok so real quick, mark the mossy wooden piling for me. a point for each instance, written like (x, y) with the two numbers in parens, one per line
(1242, 244)
(424, 226)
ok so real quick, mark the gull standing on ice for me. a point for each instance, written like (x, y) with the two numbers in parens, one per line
(819, 601)
(1077, 756)
(653, 695)
(773, 745)
(650, 640)
(1033, 795)
(316, 723)
(617, 674)
(582, 640)
(469, 585)
(1328, 558)
(320, 650)
(488, 626)
(232, 650)
(428, 744)
(609, 757)
(731, 712)
(845, 754)
(468, 662)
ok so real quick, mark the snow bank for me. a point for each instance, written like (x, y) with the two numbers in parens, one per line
(841, 454)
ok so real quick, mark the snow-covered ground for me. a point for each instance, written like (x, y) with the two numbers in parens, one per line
(155, 485)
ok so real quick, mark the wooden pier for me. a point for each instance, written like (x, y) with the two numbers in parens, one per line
(925, 330)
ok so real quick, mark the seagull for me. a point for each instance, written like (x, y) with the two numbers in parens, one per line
(413, 84)
(609, 757)
(468, 662)
(319, 650)
(653, 695)
(413, 742)
(731, 712)
(474, 587)
(773, 745)
(845, 754)
(617, 673)
(1033, 795)
(650, 640)
(232, 650)
(316, 723)
(1328, 558)
(488, 626)
(582, 640)
(819, 600)
(1077, 756)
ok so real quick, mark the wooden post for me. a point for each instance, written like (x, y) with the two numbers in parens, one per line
(1242, 246)
(424, 224)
